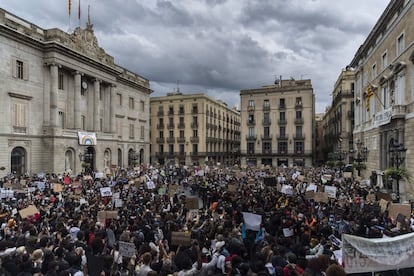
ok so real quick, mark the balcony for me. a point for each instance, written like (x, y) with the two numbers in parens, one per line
(266, 122)
(160, 154)
(266, 151)
(266, 137)
(282, 137)
(266, 107)
(160, 126)
(250, 108)
(194, 124)
(194, 153)
(160, 113)
(251, 122)
(398, 111)
(181, 140)
(194, 139)
(282, 106)
(160, 140)
(181, 112)
(181, 125)
(171, 112)
(282, 121)
(251, 137)
(299, 136)
(170, 140)
(194, 111)
(282, 152)
(171, 126)
(299, 121)
(298, 105)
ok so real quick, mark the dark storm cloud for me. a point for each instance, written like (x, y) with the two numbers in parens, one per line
(220, 46)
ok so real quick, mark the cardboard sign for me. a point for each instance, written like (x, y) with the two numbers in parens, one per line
(102, 215)
(118, 203)
(403, 209)
(347, 175)
(57, 188)
(232, 188)
(331, 191)
(310, 195)
(371, 197)
(321, 197)
(383, 204)
(192, 203)
(301, 178)
(28, 212)
(181, 238)
(127, 249)
(385, 196)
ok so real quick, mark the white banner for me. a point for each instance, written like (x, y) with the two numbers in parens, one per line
(87, 138)
(252, 221)
(371, 255)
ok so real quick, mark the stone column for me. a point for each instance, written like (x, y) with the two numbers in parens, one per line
(54, 80)
(112, 120)
(77, 100)
(97, 87)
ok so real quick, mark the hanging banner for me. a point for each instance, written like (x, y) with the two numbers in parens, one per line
(87, 138)
(371, 255)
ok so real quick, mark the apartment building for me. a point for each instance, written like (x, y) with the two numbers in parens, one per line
(384, 96)
(278, 124)
(66, 105)
(338, 120)
(193, 129)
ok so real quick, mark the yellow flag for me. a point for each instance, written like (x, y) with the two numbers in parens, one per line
(368, 95)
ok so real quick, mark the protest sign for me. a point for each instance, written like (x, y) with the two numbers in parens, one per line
(383, 204)
(172, 189)
(395, 209)
(28, 212)
(252, 221)
(347, 175)
(192, 202)
(381, 254)
(118, 203)
(312, 187)
(287, 189)
(106, 191)
(102, 215)
(127, 249)
(309, 195)
(331, 191)
(181, 238)
(384, 196)
(321, 197)
(5, 193)
(287, 232)
(99, 175)
(371, 197)
(40, 185)
(57, 188)
(232, 188)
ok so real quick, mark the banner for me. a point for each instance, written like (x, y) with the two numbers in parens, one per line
(87, 138)
(371, 255)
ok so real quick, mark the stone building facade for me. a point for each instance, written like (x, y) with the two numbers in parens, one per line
(193, 129)
(66, 105)
(384, 97)
(278, 124)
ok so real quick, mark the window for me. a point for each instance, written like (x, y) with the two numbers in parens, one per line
(282, 116)
(100, 124)
(19, 69)
(282, 103)
(195, 148)
(181, 149)
(161, 148)
(61, 119)
(251, 131)
(83, 123)
(385, 96)
(250, 148)
(131, 131)
(19, 117)
(298, 131)
(298, 114)
(182, 134)
(267, 147)
(131, 103)
(142, 103)
(195, 133)
(60, 81)
(161, 121)
(384, 60)
(195, 108)
(298, 100)
(282, 131)
(171, 134)
(266, 132)
(171, 110)
(142, 136)
(266, 104)
(171, 121)
(119, 99)
(250, 103)
(250, 119)
(282, 147)
(266, 117)
(181, 110)
(161, 134)
(171, 148)
(181, 121)
(195, 120)
(400, 44)
(299, 147)
(374, 71)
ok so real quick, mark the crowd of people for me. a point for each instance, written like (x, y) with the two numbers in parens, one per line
(145, 221)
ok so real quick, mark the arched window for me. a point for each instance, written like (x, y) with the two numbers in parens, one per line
(18, 161)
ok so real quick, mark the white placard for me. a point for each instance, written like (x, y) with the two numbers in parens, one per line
(252, 221)
(127, 249)
(331, 191)
(106, 191)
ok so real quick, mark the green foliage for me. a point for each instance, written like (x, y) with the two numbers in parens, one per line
(330, 163)
(360, 166)
(393, 172)
(86, 165)
(340, 164)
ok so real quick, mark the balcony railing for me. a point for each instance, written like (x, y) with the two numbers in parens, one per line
(251, 137)
(160, 140)
(251, 122)
(181, 125)
(181, 140)
(282, 137)
(266, 122)
(170, 112)
(299, 121)
(171, 140)
(299, 136)
(160, 113)
(194, 125)
(267, 137)
(250, 108)
(298, 105)
(266, 107)
(194, 139)
(171, 126)
(282, 106)
(160, 126)
(282, 121)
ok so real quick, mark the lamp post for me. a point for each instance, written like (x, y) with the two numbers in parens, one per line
(340, 156)
(362, 154)
(397, 157)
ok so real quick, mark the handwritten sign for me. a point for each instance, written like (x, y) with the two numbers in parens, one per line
(181, 238)
(127, 249)
(192, 203)
(28, 212)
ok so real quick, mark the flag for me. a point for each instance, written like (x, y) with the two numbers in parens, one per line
(79, 9)
(368, 94)
(69, 7)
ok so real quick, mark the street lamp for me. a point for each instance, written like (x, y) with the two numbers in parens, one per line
(362, 154)
(340, 156)
(397, 157)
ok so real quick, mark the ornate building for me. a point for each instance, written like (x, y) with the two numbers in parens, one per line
(278, 124)
(193, 129)
(66, 104)
(384, 97)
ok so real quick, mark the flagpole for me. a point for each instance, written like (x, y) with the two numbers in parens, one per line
(376, 96)
(79, 12)
(69, 13)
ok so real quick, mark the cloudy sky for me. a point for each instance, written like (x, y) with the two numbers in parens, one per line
(219, 47)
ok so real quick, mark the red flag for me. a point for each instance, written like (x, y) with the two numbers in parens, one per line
(79, 12)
